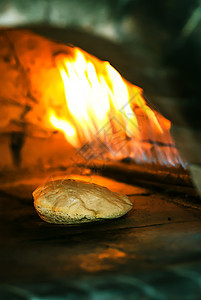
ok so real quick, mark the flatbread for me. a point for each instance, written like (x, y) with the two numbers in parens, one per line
(72, 201)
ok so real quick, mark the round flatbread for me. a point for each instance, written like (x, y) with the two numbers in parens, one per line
(72, 201)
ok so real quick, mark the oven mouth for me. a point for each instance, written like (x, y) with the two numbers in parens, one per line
(29, 132)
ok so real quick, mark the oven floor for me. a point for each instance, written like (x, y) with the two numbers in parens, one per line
(154, 252)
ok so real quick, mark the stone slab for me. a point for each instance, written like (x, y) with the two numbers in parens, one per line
(153, 252)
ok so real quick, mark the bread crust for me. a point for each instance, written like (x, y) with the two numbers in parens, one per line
(72, 201)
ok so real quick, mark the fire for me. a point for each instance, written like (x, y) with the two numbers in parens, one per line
(103, 107)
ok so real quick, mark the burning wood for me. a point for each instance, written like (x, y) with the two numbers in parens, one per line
(110, 114)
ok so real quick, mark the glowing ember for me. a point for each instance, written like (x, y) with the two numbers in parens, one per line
(105, 110)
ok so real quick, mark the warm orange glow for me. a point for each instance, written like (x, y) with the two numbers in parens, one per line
(100, 104)
(64, 126)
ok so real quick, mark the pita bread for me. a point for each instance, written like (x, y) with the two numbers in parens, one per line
(73, 201)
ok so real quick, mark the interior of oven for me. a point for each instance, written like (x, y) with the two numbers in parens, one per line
(146, 61)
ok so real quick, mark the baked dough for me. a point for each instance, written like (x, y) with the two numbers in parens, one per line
(72, 201)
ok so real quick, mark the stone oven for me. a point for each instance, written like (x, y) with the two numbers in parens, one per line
(107, 92)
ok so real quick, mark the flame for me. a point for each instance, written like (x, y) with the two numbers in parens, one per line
(100, 105)
(66, 127)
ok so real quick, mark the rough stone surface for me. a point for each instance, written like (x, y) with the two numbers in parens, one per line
(153, 252)
(28, 65)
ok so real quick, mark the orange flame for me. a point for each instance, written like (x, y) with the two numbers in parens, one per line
(101, 104)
